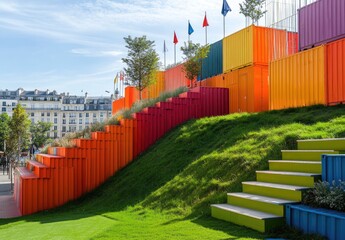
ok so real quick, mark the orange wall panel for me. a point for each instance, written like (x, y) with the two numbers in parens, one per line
(175, 78)
(336, 72)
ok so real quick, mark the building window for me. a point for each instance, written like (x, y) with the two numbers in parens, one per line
(3, 103)
(3, 109)
(80, 115)
(32, 120)
(55, 114)
(48, 119)
(64, 121)
(32, 114)
(55, 135)
(94, 115)
(55, 120)
(42, 119)
(64, 115)
(48, 114)
(80, 121)
(87, 114)
(80, 128)
(42, 114)
(13, 104)
(64, 128)
(55, 128)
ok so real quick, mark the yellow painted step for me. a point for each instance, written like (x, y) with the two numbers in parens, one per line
(256, 220)
(290, 178)
(305, 155)
(322, 144)
(295, 166)
(259, 203)
(283, 191)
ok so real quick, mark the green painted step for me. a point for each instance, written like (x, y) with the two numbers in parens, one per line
(259, 203)
(283, 191)
(322, 144)
(305, 155)
(256, 220)
(295, 166)
(290, 178)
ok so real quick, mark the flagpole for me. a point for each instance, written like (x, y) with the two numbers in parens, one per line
(188, 33)
(175, 53)
(206, 34)
(224, 26)
(165, 60)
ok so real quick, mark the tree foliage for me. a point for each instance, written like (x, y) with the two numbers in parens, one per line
(142, 62)
(252, 9)
(193, 55)
(19, 132)
(39, 132)
(4, 129)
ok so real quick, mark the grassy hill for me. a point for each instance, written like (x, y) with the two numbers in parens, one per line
(166, 192)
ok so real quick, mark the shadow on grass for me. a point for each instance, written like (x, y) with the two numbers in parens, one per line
(196, 164)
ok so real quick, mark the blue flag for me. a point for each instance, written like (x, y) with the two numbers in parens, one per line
(225, 8)
(190, 29)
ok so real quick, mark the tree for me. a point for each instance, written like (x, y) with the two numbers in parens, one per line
(252, 9)
(4, 129)
(142, 62)
(39, 132)
(193, 55)
(19, 132)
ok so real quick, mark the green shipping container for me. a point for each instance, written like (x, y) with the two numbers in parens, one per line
(213, 64)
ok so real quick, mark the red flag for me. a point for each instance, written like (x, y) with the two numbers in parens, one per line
(175, 38)
(205, 23)
(122, 75)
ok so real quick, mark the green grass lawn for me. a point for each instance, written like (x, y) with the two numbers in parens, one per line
(166, 193)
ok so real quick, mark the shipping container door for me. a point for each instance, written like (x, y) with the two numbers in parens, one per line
(243, 89)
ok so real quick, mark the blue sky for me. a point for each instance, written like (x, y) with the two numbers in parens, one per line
(71, 45)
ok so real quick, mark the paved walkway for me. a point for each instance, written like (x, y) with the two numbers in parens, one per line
(8, 208)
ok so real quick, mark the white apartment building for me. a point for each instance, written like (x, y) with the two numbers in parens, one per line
(66, 113)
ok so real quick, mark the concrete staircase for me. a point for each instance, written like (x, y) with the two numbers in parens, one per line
(261, 205)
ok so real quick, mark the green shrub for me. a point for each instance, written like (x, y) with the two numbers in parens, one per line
(326, 195)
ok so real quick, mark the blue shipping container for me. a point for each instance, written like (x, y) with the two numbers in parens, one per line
(333, 168)
(213, 64)
(328, 223)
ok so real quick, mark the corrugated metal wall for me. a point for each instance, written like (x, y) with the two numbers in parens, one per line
(298, 80)
(213, 64)
(336, 72)
(333, 168)
(321, 22)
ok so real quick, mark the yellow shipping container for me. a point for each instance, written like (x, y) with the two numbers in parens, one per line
(256, 45)
(298, 80)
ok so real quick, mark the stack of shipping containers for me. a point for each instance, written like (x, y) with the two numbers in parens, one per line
(246, 55)
(315, 75)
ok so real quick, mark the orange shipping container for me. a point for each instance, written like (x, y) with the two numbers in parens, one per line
(175, 78)
(248, 88)
(335, 72)
(155, 89)
(298, 80)
(256, 45)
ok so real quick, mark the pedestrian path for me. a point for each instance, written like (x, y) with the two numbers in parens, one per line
(8, 207)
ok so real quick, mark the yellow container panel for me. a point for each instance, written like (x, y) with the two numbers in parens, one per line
(298, 80)
(238, 49)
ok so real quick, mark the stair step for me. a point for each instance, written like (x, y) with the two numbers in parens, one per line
(259, 203)
(322, 144)
(305, 155)
(295, 166)
(292, 178)
(256, 220)
(24, 173)
(38, 169)
(283, 191)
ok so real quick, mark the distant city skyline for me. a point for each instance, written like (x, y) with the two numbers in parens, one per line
(76, 46)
